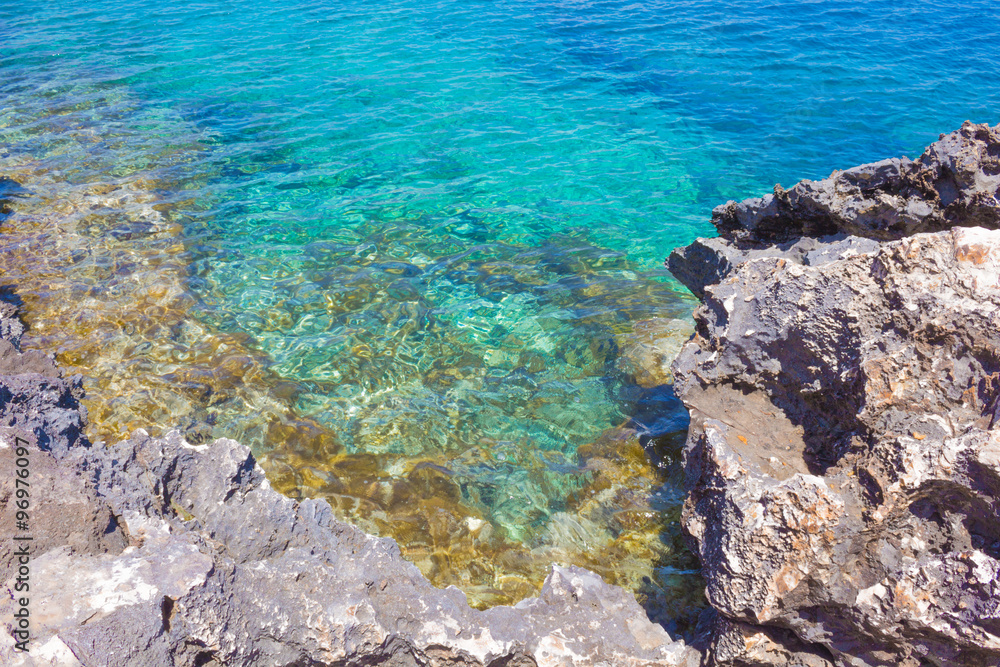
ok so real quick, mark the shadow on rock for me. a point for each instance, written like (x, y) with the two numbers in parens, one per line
(675, 598)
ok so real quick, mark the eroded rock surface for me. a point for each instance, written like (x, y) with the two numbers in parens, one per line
(843, 463)
(954, 183)
(156, 552)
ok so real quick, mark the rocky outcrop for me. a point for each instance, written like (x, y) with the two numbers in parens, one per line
(953, 184)
(843, 461)
(156, 552)
(842, 468)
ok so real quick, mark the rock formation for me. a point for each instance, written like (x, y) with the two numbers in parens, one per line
(842, 469)
(843, 460)
(156, 552)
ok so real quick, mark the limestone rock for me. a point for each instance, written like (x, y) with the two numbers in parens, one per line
(35, 399)
(956, 182)
(66, 514)
(844, 389)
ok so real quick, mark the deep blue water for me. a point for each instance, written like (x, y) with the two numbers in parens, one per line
(442, 221)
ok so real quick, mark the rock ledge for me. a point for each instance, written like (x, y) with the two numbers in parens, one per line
(843, 461)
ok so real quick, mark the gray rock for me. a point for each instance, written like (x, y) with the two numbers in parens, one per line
(67, 514)
(11, 328)
(956, 182)
(35, 399)
(843, 460)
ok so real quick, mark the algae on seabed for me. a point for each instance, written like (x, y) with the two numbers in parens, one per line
(104, 245)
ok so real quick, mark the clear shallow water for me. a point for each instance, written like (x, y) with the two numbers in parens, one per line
(411, 252)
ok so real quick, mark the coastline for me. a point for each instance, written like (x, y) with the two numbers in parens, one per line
(110, 272)
(843, 463)
(777, 533)
(146, 557)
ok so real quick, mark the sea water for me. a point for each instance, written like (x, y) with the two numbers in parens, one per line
(412, 252)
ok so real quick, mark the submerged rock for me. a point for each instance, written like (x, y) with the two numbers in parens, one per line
(648, 351)
(843, 460)
(842, 469)
(157, 552)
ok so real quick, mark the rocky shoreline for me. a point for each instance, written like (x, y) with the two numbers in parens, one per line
(842, 471)
(157, 552)
(843, 461)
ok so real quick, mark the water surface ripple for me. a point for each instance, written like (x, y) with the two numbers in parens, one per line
(411, 252)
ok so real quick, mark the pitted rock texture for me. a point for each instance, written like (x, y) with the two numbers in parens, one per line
(954, 183)
(843, 462)
(157, 552)
(35, 399)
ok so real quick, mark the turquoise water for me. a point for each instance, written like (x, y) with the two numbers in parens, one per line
(435, 227)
